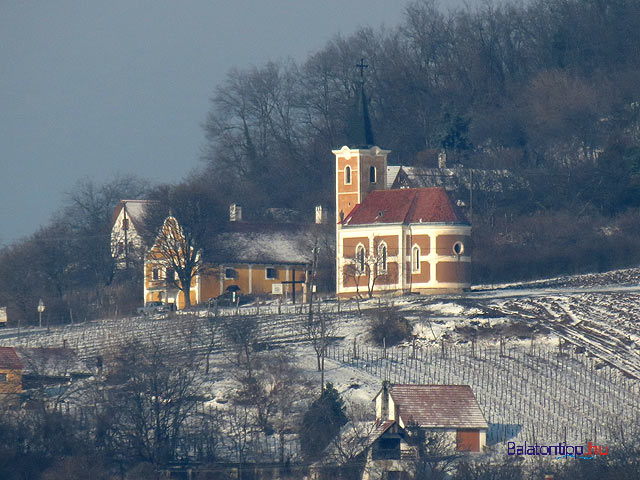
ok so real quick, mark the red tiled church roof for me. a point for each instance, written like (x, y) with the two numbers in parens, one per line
(409, 205)
(452, 406)
(9, 359)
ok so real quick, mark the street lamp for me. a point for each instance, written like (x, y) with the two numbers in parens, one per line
(40, 310)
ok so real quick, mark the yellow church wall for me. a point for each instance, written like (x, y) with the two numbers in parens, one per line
(423, 241)
(425, 273)
(391, 277)
(381, 173)
(445, 243)
(349, 279)
(350, 244)
(453, 272)
(390, 240)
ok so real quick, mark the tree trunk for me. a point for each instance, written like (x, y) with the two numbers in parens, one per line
(186, 291)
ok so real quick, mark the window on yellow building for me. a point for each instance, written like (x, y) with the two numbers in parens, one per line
(271, 273)
(155, 274)
(347, 175)
(229, 274)
(3, 378)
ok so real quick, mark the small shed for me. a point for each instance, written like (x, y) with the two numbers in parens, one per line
(451, 409)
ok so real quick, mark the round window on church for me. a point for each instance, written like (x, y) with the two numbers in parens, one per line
(458, 248)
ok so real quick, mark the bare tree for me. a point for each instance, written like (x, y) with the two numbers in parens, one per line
(319, 330)
(181, 224)
(242, 334)
(150, 393)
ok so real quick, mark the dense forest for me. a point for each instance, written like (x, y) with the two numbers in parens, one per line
(546, 90)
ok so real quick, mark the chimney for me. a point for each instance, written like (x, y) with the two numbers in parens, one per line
(321, 215)
(442, 159)
(235, 213)
(384, 406)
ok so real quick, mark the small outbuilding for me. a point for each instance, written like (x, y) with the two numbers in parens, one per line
(11, 368)
(449, 409)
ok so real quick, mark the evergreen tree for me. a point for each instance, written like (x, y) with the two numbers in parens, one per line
(321, 423)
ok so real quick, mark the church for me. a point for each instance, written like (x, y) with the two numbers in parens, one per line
(389, 240)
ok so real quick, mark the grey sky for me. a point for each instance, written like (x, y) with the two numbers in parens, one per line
(94, 89)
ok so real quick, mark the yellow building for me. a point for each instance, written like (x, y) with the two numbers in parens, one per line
(249, 258)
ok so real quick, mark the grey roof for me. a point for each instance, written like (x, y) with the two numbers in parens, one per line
(456, 177)
(264, 244)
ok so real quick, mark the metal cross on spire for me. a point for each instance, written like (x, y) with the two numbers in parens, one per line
(362, 66)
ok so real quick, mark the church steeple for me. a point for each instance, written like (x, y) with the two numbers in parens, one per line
(359, 131)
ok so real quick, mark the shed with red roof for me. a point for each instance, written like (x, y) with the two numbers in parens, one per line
(452, 409)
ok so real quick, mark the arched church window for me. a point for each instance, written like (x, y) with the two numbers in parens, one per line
(415, 259)
(347, 174)
(360, 258)
(382, 258)
(372, 174)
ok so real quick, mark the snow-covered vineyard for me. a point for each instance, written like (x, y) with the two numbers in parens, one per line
(548, 362)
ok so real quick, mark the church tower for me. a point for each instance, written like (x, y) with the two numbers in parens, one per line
(392, 241)
(361, 167)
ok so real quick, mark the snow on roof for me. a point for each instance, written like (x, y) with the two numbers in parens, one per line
(453, 178)
(409, 205)
(9, 360)
(135, 210)
(264, 244)
(438, 406)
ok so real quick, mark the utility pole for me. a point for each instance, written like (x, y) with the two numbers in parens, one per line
(310, 287)
(311, 282)
(471, 195)
(125, 224)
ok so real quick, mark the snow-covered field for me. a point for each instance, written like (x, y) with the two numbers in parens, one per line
(549, 361)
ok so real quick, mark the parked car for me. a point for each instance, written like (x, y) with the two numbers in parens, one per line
(154, 307)
(230, 297)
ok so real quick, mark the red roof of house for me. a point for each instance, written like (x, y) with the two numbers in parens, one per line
(408, 205)
(452, 406)
(9, 360)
